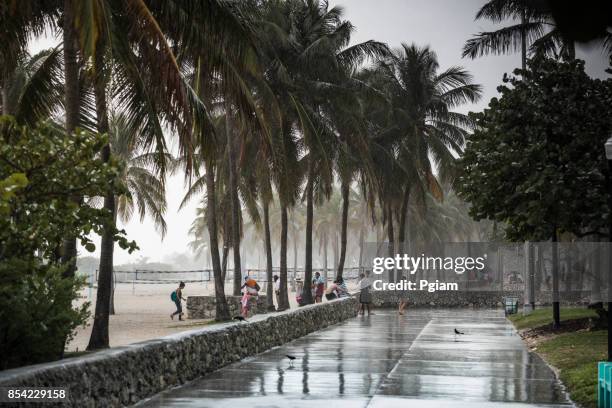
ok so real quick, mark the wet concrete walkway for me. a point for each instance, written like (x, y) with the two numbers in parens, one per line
(386, 361)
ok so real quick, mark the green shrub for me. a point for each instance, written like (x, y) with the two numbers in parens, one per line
(42, 170)
(36, 311)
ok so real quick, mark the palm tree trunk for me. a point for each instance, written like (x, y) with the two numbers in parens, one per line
(570, 50)
(555, 280)
(306, 291)
(268, 249)
(71, 106)
(224, 260)
(112, 296)
(325, 257)
(391, 237)
(221, 309)
(335, 246)
(99, 332)
(284, 295)
(235, 203)
(295, 257)
(523, 39)
(345, 190)
(111, 302)
(361, 245)
(6, 83)
(403, 219)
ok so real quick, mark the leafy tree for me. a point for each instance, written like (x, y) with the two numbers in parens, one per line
(41, 169)
(536, 160)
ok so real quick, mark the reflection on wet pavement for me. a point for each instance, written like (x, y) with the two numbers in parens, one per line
(386, 361)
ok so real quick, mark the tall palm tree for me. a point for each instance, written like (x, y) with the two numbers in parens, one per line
(113, 35)
(121, 75)
(146, 193)
(417, 129)
(305, 43)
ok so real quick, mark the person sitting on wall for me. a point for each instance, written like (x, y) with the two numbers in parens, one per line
(336, 290)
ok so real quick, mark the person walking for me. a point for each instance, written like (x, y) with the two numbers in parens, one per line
(277, 290)
(251, 290)
(319, 287)
(403, 299)
(176, 296)
(365, 297)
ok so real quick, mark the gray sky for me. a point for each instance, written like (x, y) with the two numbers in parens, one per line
(444, 25)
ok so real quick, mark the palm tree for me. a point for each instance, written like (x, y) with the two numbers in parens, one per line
(119, 73)
(536, 32)
(417, 129)
(33, 91)
(306, 56)
(120, 50)
(140, 174)
(146, 189)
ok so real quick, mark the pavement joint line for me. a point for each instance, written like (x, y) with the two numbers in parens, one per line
(385, 377)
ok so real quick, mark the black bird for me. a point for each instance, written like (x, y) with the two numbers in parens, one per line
(458, 332)
(291, 358)
(240, 318)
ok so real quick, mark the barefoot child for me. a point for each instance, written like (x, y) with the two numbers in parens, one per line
(176, 297)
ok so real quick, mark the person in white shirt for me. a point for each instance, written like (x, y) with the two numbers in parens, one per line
(277, 290)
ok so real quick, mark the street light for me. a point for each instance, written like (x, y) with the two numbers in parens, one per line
(608, 147)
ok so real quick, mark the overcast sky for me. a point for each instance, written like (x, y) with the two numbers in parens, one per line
(444, 25)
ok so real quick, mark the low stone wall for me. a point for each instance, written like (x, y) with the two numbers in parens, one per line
(125, 375)
(442, 298)
(471, 298)
(203, 307)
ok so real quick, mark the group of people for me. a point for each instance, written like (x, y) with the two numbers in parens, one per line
(338, 289)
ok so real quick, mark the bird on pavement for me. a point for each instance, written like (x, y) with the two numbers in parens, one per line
(291, 358)
(457, 332)
(240, 318)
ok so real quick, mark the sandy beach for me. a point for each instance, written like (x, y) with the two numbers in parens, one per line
(142, 312)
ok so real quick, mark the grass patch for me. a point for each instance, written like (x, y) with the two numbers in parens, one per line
(543, 316)
(575, 355)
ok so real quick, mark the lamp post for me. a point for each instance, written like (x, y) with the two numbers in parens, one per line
(608, 148)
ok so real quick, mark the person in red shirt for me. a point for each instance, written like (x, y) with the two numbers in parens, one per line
(250, 289)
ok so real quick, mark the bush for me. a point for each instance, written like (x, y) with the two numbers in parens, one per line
(42, 170)
(36, 311)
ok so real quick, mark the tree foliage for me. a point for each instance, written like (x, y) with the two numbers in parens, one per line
(536, 161)
(55, 167)
(40, 169)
